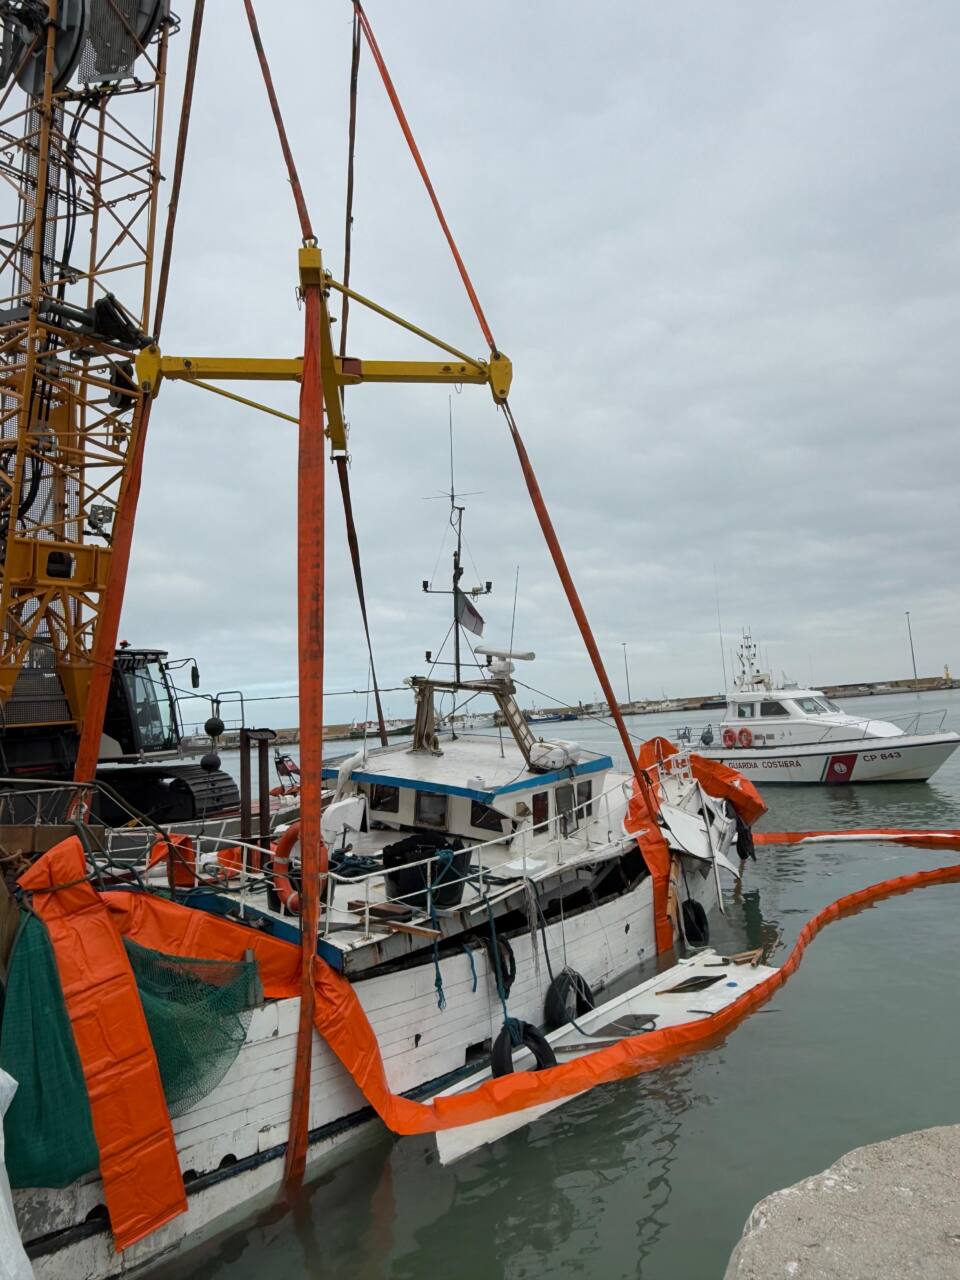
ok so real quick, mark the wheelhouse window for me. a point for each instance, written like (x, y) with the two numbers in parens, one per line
(566, 806)
(430, 810)
(745, 711)
(817, 706)
(585, 799)
(485, 818)
(771, 708)
(385, 799)
(541, 811)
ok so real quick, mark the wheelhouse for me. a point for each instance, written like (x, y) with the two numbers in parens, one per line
(451, 793)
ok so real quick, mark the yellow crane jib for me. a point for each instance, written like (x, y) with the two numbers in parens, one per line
(497, 372)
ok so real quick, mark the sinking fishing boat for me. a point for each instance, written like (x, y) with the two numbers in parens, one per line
(530, 868)
(777, 734)
(474, 885)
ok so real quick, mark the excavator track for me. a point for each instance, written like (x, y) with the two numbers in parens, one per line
(166, 793)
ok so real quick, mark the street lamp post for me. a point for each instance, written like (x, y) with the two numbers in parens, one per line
(913, 656)
(626, 670)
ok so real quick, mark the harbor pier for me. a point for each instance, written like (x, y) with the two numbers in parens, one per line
(889, 1209)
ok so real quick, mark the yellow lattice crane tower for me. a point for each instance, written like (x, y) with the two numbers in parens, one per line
(81, 117)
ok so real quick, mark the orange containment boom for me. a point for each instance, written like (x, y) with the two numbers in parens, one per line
(341, 1021)
(946, 839)
(142, 1183)
(141, 1176)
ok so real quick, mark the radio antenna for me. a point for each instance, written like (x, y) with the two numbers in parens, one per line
(723, 659)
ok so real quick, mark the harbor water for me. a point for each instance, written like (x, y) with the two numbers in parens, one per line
(655, 1176)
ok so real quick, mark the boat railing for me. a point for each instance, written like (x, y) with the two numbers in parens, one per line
(482, 875)
(916, 722)
(37, 803)
(216, 859)
(935, 718)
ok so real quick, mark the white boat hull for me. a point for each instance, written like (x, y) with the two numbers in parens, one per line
(655, 998)
(905, 758)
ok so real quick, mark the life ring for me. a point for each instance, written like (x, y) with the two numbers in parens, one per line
(729, 738)
(745, 737)
(280, 867)
(501, 1055)
(568, 997)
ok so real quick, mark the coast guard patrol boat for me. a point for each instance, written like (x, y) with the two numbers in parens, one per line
(789, 734)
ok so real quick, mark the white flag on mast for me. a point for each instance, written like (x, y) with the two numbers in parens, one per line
(467, 615)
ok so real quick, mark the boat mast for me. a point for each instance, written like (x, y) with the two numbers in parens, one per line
(456, 515)
(462, 608)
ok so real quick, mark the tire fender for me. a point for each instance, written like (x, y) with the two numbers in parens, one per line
(569, 989)
(745, 845)
(696, 926)
(501, 1055)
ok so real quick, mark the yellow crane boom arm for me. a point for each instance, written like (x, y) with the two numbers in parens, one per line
(496, 373)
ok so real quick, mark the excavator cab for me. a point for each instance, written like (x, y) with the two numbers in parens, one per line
(142, 719)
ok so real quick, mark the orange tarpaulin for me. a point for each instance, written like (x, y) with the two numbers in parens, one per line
(141, 1176)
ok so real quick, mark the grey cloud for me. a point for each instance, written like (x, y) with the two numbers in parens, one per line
(719, 243)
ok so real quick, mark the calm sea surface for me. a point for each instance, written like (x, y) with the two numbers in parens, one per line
(655, 1176)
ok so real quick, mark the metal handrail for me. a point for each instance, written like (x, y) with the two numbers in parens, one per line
(828, 733)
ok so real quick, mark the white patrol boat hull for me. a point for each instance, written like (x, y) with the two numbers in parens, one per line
(904, 758)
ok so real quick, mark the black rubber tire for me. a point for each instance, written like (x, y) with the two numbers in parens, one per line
(696, 926)
(508, 962)
(568, 996)
(745, 845)
(501, 1055)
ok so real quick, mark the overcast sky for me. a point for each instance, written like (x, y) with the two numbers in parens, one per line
(720, 243)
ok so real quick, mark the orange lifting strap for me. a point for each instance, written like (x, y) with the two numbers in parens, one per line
(533, 487)
(142, 1183)
(310, 548)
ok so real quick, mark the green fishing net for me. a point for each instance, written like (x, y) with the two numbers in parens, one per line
(197, 1012)
(48, 1132)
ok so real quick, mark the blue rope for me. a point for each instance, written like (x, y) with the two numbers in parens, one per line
(444, 863)
(512, 1024)
(473, 968)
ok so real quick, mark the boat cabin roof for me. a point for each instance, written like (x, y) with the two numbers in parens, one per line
(474, 767)
(805, 701)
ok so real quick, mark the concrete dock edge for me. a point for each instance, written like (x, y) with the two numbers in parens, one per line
(882, 1212)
